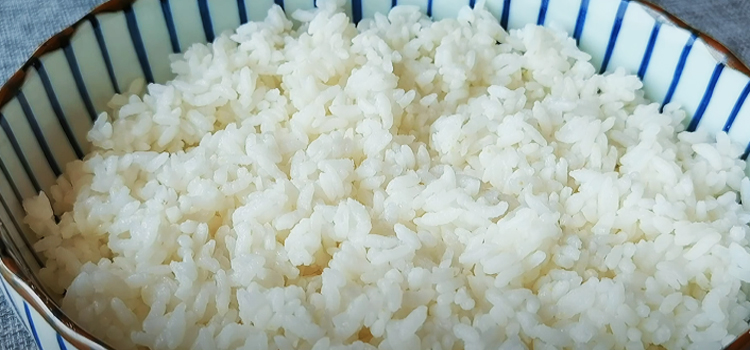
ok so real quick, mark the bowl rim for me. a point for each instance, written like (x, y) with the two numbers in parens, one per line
(15, 270)
(15, 82)
(12, 86)
(30, 289)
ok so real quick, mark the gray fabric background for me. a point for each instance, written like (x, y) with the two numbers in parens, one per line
(25, 24)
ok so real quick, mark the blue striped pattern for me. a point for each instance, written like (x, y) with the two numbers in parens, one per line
(19, 153)
(706, 97)
(105, 53)
(678, 71)
(76, 70)
(31, 325)
(17, 227)
(542, 12)
(38, 134)
(64, 124)
(736, 109)
(242, 11)
(581, 20)
(14, 220)
(13, 186)
(166, 10)
(357, 10)
(472, 3)
(613, 35)
(506, 14)
(429, 8)
(61, 343)
(281, 3)
(208, 27)
(28, 315)
(140, 49)
(649, 50)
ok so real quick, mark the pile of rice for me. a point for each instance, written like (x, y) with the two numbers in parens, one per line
(401, 184)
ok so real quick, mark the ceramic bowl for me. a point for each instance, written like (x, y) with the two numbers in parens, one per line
(48, 106)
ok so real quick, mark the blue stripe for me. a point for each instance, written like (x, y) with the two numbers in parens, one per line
(10, 300)
(40, 139)
(542, 12)
(737, 106)
(61, 342)
(12, 184)
(613, 35)
(706, 97)
(140, 49)
(242, 10)
(506, 13)
(357, 11)
(678, 71)
(649, 50)
(747, 151)
(581, 20)
(105, 53)
(281, 3)
(429, 8)
(73, 63)
(166, 11)
(19, 153)
(20, 232)
(472, 3)
(208, 28)
(394, 3)
(31, 325)
(58, 109)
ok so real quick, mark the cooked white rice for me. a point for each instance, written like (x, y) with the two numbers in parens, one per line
(401, 184)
